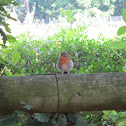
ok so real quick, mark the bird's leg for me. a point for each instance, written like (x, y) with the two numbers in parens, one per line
(62, 72)
(68, 72)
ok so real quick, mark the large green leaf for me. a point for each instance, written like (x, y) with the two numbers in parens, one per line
(63, 120)
(124, 14)
(41, 117)
(72, 117)
(114, 117)
(6, 2)
(119, 45)
(109, 114)
(81, 122)
(121, 119)
(28, 107)
(11, 38)
(10, 119)
(121, 30)
(123, 123)
(6, 25)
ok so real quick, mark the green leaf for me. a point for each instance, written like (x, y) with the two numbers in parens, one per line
(6, 25)
(124, 14)
(28, 107)
(6, 120)
(121, 119)
(8, 16)
(119, 45)
(107, 114)
(41, 117)
(71, 117)
(11, 38)
(114, 117)
(10, 119)
(81, 122)
(122, 123)
(121, 30)
(15, 3)
(54, 122)
(16, 57)
(104, 122)
(63, 120)
(124, 113)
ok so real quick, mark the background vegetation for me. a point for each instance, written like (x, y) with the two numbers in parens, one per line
(28, 54)
(45, 9)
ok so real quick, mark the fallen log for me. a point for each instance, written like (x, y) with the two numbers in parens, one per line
(64, 92)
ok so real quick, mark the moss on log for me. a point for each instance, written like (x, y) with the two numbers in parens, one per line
(64, 92)
(39, 91)
(92, 92)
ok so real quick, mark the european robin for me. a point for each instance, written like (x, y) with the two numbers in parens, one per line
(65, 64)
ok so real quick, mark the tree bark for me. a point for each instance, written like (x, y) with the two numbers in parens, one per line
(64, 92)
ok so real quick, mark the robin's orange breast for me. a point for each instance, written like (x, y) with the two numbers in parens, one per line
(63, 60)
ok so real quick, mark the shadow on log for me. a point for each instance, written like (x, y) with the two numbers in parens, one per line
(64, 92)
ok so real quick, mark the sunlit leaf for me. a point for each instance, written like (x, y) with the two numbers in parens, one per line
(123, 123)
(121, 30)
(124, 14)
(6, 25)
(119, 45)
(107, 114)
(11, 38)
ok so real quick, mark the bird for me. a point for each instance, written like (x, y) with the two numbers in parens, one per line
(65, 64)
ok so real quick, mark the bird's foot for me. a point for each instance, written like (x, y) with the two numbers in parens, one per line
(63, 72)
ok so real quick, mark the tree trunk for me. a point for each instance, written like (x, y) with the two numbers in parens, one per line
(64, 92)
(27, 7)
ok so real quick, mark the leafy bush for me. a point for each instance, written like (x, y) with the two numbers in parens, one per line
(19, 118)
(32, 55)
(3, 16)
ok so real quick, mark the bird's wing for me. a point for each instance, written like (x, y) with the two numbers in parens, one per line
(72, 64)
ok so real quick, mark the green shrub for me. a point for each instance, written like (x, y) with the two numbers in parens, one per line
(38, 56)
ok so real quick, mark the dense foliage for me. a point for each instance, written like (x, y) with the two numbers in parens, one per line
(33, 55)
(3, 16)
(19, 118)
(45, 9)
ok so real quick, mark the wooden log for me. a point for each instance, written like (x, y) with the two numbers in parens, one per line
(64, 92)
(38, 91)
(92, 92)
